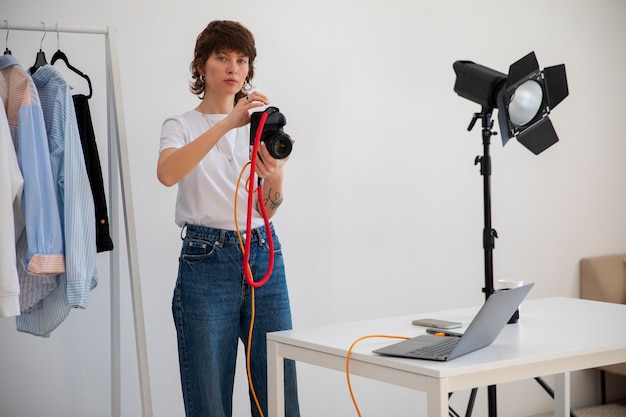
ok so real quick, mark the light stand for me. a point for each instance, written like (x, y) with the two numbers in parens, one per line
(524, 99)
(489, 233)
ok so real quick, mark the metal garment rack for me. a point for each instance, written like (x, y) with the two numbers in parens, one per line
(119, 175)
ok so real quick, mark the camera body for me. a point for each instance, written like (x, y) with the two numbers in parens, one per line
(277, 141)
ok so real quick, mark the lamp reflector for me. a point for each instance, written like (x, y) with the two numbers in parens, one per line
(525, 103)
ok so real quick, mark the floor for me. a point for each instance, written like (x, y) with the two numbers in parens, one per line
(617, 409)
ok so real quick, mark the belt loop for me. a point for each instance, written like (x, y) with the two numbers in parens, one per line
(223, 236)
(183, 230)
(259, 235)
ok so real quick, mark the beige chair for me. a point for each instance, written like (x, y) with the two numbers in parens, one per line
(603, 278)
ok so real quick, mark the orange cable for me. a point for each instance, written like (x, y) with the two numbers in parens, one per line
(348, 362)
(253, 312)
(241, 245)
(249, 359)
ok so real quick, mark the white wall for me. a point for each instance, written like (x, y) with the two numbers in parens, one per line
(383, 209)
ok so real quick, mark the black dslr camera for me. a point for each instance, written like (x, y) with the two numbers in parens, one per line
(277, 141)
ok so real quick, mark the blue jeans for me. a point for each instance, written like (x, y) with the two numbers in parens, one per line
(212, 307)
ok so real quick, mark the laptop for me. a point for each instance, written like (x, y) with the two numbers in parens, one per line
(482, 331)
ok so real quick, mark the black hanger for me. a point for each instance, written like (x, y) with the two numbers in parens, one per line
(40, 59)
(61, 55)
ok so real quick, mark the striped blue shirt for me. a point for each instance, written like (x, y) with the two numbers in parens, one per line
(75, 205)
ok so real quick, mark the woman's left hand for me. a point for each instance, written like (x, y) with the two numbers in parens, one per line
(269, 168)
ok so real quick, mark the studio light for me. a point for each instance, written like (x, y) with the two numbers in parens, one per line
(524, 98)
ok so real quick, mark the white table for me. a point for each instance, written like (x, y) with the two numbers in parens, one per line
(553, 337)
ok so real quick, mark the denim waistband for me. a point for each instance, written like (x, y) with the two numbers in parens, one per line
(225, 236)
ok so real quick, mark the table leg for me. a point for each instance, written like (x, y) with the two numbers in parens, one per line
(437, 397)
(275, 381)
(562, 395)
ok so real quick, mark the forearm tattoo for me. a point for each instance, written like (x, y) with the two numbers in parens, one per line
(273, 199)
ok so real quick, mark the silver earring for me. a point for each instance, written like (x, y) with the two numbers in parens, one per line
(202, 78)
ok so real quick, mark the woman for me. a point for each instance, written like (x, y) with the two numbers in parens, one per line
(203, 151)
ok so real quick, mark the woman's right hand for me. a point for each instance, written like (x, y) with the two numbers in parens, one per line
(240, 116)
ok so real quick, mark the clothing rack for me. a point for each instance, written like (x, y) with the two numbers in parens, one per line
(119, 175)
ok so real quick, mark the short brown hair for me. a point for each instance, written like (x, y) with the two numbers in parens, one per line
(221, 35)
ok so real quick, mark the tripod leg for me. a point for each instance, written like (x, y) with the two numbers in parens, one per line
(470, 403)
(451, 411)
(492, 401)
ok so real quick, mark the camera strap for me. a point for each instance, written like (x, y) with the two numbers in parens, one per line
(250, 184)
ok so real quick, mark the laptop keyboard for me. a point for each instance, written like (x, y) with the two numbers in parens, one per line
(442, 348)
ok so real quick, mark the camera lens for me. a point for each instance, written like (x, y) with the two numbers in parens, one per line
(279, 146)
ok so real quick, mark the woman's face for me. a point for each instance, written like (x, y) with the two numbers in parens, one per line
(225, 72)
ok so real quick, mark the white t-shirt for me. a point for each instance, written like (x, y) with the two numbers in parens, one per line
(206, 196)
